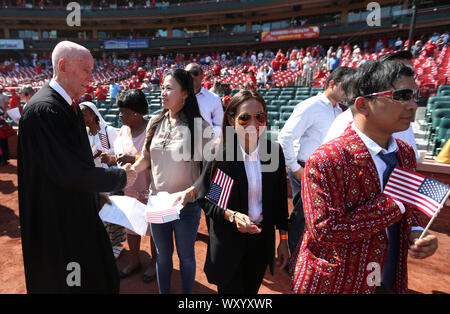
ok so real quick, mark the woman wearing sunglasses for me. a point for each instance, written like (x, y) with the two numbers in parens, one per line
(244, 196)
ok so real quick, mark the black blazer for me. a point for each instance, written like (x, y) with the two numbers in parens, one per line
(226, 244)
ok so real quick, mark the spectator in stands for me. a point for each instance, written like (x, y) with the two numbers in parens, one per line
(293, 65)
(242, 233)
(284, 63)
(216, 68)
(333, 62)
(398, 43)
(306, 128)
(216, 88)
(343, 120)
(210, 105)
(140, 73)
(379, 46)
(276, 63)
(101, 92)
(114, 89)
(26, 93)
(14, 100)
(89, 94)
(146, 85)
(261, 77)
(165, 134)
(38, 69)
(156, 80)
(416, 49)
(429, 49)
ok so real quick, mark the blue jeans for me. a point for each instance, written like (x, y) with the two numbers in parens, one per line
(296, 224)
(185, 230)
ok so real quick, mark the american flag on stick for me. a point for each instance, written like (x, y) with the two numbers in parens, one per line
(416, 190)
(220, 189)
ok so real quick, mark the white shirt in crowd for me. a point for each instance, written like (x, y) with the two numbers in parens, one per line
(343, 120)
(306, 128)
(211, 109)
(252, 165)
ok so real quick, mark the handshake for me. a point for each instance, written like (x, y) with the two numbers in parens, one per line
(131, 178)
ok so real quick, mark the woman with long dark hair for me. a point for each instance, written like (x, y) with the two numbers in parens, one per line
(244, 196)
(171, 132)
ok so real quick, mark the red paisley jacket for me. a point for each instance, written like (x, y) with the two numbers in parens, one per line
(346, 216)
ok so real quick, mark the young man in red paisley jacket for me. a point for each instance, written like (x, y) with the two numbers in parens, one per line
(358, 240)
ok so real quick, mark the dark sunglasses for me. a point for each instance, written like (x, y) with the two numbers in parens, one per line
(404, 94)
(195, 72)
(244, 118)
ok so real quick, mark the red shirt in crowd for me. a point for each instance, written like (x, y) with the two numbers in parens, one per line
(101, 92)
(38, 69)
(216, 69)
(141, 74)
(276, 63)
(429, 48)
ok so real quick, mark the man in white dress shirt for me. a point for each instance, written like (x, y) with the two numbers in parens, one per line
(343, 120)
(209, 104)
(302, 134)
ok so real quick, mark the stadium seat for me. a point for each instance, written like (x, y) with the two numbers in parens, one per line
(436, 116)
(286, 108)
(442, 88)
(293, 102)
(442, 135)
(272, 108)
(279, 102)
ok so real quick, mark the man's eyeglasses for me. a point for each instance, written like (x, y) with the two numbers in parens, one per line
(244, 118)
(195, 72)
(404, 94)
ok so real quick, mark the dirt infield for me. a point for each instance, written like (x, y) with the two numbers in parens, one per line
(425, 276)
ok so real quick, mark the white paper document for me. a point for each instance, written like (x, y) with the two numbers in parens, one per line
(127, 212)
(160, 209)
(14, 114)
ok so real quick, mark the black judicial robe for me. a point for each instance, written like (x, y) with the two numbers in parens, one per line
(59, 203)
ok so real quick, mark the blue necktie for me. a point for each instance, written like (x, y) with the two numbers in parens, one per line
(393, 231)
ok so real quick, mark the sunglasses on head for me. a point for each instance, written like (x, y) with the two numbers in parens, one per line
(244, 118)
(404, 94)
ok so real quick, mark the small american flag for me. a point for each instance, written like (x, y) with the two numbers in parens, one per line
(104, 140)
(416, 190)
(159, 217)
(220, 189)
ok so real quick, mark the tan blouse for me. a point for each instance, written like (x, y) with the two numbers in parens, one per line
(173, 169)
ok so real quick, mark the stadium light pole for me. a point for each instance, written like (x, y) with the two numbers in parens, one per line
(412, 25)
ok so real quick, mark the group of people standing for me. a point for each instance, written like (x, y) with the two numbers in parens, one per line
(233, 173)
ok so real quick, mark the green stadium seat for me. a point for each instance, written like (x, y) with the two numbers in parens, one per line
(284, 116)
(102, 111)
(445, 92)
(286, 97)
(272, 108)
(273, 115)
(293, 102)
(436, 116)
(442, 88)
(279, 102)
(286, 108)
(442, 134)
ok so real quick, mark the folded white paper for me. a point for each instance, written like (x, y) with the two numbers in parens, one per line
(14, 114)
(127, 212)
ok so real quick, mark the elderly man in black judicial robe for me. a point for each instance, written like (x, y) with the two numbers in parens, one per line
(65, 246)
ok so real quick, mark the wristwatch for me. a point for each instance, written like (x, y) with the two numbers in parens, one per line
(231, 218)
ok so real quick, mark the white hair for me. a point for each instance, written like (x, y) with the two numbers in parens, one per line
(66, 50)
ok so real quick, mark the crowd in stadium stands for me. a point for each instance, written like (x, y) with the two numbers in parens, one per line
(305, 66)
(100, 4)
